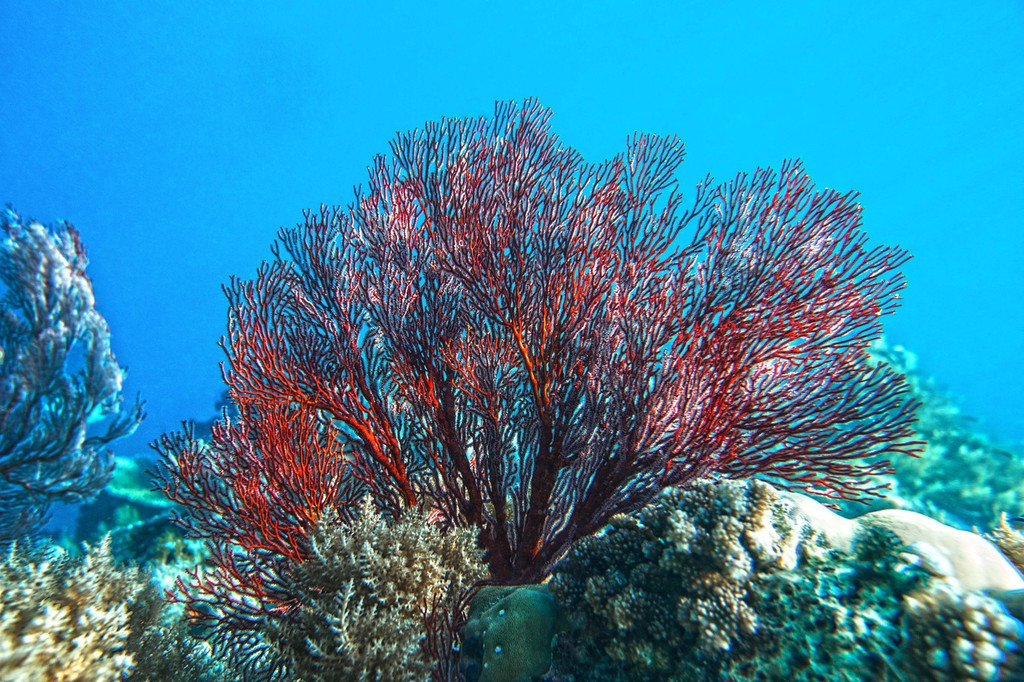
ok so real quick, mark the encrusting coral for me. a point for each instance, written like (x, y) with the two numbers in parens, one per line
(507, 635)
(731, 581)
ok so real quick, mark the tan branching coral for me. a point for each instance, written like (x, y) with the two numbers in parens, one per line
(365, 594)
(88, 619)
(1009, 540)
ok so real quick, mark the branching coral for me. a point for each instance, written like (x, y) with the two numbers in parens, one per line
(677, 579)
(731, 581)
(362, 601)
(71, 619)
(956, 636)
(1009, 540)
(58, 377)
(87, 619)
(364, 595)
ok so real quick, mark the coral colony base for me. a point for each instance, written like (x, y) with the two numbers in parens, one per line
(513, 416)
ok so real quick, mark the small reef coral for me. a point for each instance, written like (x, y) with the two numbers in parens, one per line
(728, 581)
(365, 593)
(371, 599)
(87, 619)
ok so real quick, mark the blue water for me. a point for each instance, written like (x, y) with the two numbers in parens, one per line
(178, 139)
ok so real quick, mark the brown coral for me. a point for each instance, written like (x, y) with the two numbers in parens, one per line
(679, 574)
(961, 636)
(1009, 541)
(731, 581)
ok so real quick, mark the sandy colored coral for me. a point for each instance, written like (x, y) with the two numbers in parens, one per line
(67, 619)
(957, 636)
(364, 595)
(88, 619)
(1009, 540)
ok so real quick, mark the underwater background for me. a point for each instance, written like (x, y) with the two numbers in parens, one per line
(178, 138)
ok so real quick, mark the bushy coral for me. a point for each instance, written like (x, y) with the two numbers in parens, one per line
(361, 602)
(86, 619)
(59, 380)
(1009, 540)
(728, 581)
(67, 620)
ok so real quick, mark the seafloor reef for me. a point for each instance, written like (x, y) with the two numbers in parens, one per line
(735, 581)
(963, 476)
(718, 581)
(513, 416)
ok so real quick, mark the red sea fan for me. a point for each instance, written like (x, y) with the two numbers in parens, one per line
(529, 344)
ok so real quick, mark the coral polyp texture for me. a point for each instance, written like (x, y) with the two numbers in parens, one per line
(731, 581)
(61, 401)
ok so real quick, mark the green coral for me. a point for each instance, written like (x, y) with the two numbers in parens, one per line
(507, 636)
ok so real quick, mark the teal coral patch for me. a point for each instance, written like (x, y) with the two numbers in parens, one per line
(508, 635)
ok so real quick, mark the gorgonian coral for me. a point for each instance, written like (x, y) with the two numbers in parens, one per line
(60, 386)
(527, 344)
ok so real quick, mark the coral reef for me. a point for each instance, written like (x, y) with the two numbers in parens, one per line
(731, 581)
(86, 619)
(963, 477)
(501, 343)
(358, 607)
(59, 380)
(530, 343)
